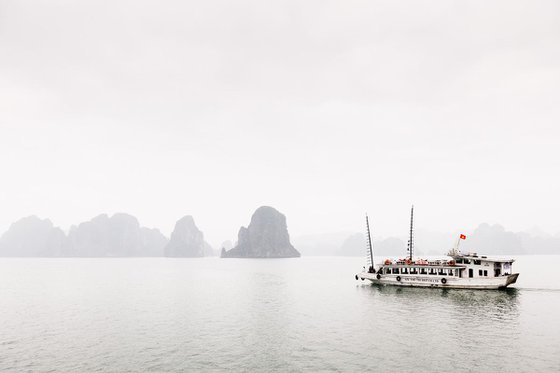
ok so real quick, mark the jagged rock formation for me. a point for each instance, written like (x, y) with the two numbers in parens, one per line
(226, 245)
(265, 237)
(187, 240)
(32, 236)
(354, 245)
(119, 235)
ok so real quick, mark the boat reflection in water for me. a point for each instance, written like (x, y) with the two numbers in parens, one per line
(458, 304)
(505, 296)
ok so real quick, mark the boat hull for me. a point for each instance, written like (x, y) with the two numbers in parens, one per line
(500, 282)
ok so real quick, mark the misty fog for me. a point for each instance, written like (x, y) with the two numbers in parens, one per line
(323, 110)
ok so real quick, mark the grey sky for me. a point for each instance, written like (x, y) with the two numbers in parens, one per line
(322, 109)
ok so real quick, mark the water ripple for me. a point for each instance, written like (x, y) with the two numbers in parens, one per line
(307, 314)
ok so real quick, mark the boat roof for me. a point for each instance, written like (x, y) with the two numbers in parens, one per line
(474, 256)
(442, 265)
(444, 262)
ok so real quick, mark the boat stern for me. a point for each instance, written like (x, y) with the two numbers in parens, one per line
(511, 279)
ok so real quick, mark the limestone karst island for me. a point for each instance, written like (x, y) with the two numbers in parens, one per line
(187, 241)
(121, 235)
(265, 237)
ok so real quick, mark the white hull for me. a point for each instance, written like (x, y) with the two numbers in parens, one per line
(436, 281)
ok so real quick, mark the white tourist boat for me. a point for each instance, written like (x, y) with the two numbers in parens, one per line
(459, 271)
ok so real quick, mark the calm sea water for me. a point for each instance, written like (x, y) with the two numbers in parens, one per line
(307, 314)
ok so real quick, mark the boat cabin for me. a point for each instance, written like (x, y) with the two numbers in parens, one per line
(482, 266)
(432, 269)
(461, 265)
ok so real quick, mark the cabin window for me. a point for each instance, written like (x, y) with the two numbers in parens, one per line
(477, 262)
(404, 271)
(459, 261)
(432, 271)
(413, 271)
(395, 271)
(441, 272)
(485, 273)
(450, 272)
(467, 261)
(387, 270)
(507, 268)
(480, 272)
(423, 271)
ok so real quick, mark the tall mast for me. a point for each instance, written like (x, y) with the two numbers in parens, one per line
(411, 238)
(370, 246)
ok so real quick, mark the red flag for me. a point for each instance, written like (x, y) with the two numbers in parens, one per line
(463, 237)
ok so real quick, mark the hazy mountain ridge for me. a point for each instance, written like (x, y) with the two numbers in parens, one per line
(485, 239)
(121, 235)
(494, 239)
(117, 236)
(348, 244)
(320, 244)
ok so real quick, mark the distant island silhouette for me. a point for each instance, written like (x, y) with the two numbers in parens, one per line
(187, 241)
(265, 237)
(485, 239)
(121, 235)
